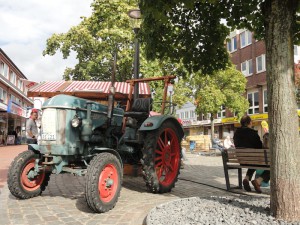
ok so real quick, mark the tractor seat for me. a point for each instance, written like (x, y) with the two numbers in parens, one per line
(140, 109)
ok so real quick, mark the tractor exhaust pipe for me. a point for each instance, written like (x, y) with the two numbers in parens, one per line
(112, 91)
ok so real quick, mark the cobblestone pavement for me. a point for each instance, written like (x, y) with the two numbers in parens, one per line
(63, 201)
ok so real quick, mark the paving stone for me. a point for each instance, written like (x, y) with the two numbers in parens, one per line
(63, 201)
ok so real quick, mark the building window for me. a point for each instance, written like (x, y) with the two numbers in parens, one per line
(261, 63)
(247, 68)
(192, 113)
(181, 115)
(20, 85)
(246, 38)
(208, 115)
(186, 114)
(295, 50)
(221, 114)
(4, 69)
(12, 77)
(232, 44)
(5, 97)
(253, 103)
(265, 101)
(12, 98)
(1, 93)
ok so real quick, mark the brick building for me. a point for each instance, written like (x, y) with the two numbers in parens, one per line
(248, 55)
(13, 97)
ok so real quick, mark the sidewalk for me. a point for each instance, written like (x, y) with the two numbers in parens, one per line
(7, 154)
(63, 201)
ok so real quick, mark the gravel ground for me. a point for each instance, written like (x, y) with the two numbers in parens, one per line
(214, 210)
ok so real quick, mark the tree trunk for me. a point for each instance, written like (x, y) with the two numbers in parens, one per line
(212, 127)
(283, 119)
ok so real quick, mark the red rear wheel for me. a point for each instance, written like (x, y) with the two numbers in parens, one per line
(167, 157)
(161, 158)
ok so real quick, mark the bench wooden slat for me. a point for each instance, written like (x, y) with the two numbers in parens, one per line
(253, 158)
(252, 162)
(236, 166)
(251, 154)
(233, 161)
(251, 150)
(231, 155)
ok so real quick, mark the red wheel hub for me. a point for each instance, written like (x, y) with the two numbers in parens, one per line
(167, 156)
(31, 184)
(108, 183)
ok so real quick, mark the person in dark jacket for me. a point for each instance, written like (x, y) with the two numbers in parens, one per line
(246, 137)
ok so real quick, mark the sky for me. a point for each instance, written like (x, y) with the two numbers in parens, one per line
(25, 25)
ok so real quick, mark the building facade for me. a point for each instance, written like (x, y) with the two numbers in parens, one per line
(249, 57)
(13, 98)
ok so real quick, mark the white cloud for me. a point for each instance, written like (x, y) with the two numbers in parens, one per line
(25, 27)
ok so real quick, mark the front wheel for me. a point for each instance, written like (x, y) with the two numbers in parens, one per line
(161, 158)
(22, 181)
(103, 182)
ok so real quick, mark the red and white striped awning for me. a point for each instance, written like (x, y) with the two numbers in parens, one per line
(94, 89)
(47, 86)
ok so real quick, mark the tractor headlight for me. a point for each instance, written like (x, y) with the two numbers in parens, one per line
(76, 121)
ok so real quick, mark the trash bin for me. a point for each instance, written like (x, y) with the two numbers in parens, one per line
(192, 146)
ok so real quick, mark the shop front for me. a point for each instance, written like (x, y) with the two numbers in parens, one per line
(16, 121)
(3, 123)
(232, 122)
(192, 127)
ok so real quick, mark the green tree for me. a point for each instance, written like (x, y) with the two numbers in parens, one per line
(192, 31)
(182, 92)
(224, 88)
(95, 41)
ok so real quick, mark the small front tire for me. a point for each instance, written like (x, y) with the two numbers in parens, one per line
(19, 181)
(103, 182)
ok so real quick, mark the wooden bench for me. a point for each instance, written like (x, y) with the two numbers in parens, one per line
(248, 158)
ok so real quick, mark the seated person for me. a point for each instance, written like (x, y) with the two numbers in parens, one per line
(216, 143)
(246, 137)
(227, 143)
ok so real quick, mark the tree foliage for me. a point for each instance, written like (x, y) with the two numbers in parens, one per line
(95, 41)
(222, 88)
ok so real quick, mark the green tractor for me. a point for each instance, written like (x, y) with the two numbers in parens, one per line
(89, 139)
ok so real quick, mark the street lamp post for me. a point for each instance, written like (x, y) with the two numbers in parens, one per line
(135, 14)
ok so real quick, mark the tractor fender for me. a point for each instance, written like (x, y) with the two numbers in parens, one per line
(154, 122)
(34, 147)
(110, 150)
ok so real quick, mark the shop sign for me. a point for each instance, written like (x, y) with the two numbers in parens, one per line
(3, 106)
(203, 122)
(217, 120)
(186, 122)
(230, 120)
(259, 116)
(253, 117)
(196, 122)
(298, 112)
(16, 109)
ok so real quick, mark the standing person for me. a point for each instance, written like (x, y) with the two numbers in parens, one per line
(31, 127)
(246, 137)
